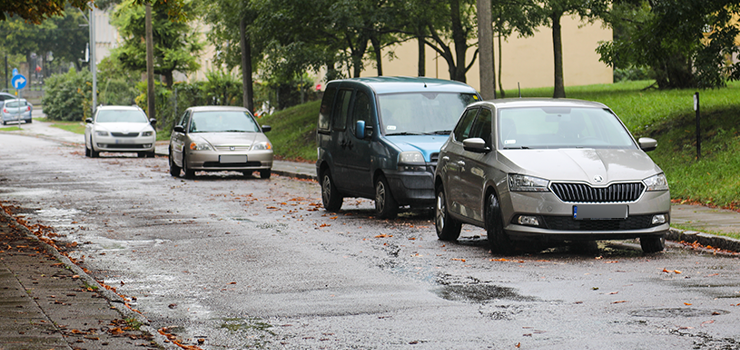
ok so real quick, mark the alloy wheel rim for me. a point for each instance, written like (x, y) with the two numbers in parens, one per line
(380, 196)
(326, 189)
(440, 211)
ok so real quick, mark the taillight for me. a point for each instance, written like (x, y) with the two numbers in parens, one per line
(29, 108)
(5, 110)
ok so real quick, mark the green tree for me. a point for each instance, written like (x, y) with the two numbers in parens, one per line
(176, 44)
(67, 96)
(686, 43)
(36, 11)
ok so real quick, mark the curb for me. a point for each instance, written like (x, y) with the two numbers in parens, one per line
(705, 239)
(115, 300)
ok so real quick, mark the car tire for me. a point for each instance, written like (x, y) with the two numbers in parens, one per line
(330, 196)
(265, 174)
(174, 169)
(187, 172)
(448, 229)
(87, 151)
(652, 244)
(386, 206)
(141, 154)
(498, 240)
(29, 121)
(151, 154)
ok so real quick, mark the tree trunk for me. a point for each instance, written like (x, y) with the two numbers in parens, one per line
(557, 48)
(422, 57)
(248, 93)
(457, 71)
(378, 54)
(502, 94)
(149, 62)
(485, 44)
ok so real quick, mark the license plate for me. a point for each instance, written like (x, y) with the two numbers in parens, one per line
(124, 141)
(232, 159)
(600, 212)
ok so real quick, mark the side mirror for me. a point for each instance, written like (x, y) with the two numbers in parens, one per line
(647, 144)
(475, 144)
(178, 128)
(88, 120)
(153, 122)
(266, 128)
(362, 130)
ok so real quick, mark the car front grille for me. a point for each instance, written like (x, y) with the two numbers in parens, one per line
(124, 146)
(236, 148)
(121, 134)
(582, 193)
(567, 223)
(232, 165)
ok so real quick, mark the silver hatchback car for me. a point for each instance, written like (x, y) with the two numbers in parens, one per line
(549, 170)
(218, 138)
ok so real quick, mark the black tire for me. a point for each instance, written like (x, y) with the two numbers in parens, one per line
(141, 154)
(151, 154)
(93, 152)
(87, 151)
(29, 121)
(187, 172)
(498, 240)
(386, 206)
(448, 229)
(652, 244)
(174, 169)
(330, 196)
(265, 174)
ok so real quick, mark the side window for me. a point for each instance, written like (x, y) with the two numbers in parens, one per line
(183, 120)
(482, 126)
(361, 109)
(325, 112)
(341, 109)
(462, 130)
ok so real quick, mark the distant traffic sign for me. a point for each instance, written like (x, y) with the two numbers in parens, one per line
(15, 71)
(18, 81)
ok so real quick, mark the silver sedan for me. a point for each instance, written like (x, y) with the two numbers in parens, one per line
(217, 138)
(534, 170)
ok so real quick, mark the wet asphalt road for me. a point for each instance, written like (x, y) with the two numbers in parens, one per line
(240, 263)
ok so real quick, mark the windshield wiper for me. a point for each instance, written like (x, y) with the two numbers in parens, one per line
(439, 132)
(404, 133)
(517, 147)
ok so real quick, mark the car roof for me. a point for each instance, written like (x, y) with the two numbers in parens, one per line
(118, 108)
(387, 85)
(217, 108)
(539, 102)
(17, 99)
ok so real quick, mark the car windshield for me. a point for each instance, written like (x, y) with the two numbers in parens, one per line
(121, 116)
(16, 104)
(422, 113)
(223, 121)
(561, 127)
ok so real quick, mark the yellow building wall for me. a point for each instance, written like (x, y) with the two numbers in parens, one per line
(527, 61)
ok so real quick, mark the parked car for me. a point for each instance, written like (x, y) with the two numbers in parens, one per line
(16, 110)
(379, 138)
(120, 129)
(549, 170)
(218, 138)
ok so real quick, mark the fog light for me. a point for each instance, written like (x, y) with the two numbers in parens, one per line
(659, 219)
(147, 145)
(529, 220)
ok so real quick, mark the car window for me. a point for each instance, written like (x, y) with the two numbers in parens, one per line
(536, 127)
(222, 121)
(120, 116)
(361, 110)
(184, 119)
(16, 104)
(341, 109)
(325, 111)
(482, 126)
(462, 131)
(422, 112)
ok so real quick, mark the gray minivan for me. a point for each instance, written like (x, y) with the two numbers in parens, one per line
(379, 138)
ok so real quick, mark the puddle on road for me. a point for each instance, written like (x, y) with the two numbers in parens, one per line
(478, 293)
(677, 312)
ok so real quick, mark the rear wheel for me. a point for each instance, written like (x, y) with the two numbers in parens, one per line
(265, 174)
(386, 206)
(189, 173)
(448, 229)
(330, 196)
(652, 244)
(174, 169)
(497, 238)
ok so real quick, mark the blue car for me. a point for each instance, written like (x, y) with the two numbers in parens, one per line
(379, 138)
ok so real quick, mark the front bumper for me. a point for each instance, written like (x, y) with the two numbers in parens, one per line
(124, 144)
(556, 221)
(414, 188)
(212, 161)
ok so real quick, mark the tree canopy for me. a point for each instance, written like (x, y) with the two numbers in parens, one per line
(36, 11)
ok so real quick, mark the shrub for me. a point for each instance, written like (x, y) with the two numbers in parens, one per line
(67, 97)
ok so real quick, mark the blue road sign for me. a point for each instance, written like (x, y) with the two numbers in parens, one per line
(15, 71)
(18, 81)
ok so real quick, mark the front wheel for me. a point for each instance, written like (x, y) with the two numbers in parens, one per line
(497, 238)
(174, 169)
(330, 196)
(265, 174)
(386, 206)
(652, 244)
(189, 173)
(448, 229)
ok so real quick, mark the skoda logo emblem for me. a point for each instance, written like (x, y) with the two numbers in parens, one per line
(598, 178)
(232, 148)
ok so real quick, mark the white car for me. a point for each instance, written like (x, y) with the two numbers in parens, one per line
(120, 129)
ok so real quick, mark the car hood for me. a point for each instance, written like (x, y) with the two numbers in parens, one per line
(612, 165)
(123, 127)
(229, 138)
(426, 144)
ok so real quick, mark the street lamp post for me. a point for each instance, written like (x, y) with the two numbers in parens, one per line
(93, 63)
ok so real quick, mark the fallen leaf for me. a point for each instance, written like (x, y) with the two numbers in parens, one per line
(687, 304)
(619, 302)
(456, 259)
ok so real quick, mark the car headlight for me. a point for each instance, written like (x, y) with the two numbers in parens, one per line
(101, 133)
(656, 183)
(525, 183)
(147, 133)
(411, 157)
(200, 145)
(261, 146)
